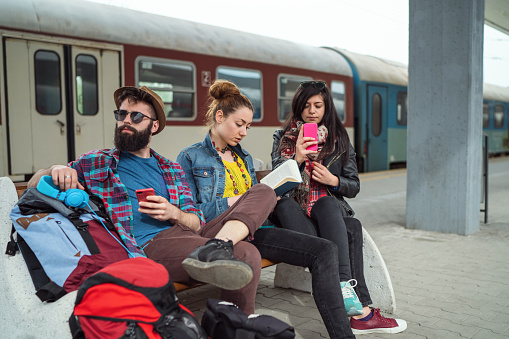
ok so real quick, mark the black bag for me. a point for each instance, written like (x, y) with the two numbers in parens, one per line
(224, 320)
(133, 298)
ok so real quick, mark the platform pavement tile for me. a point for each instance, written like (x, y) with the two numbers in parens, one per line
(453, 335)
(494, 307)
(429, 332)
(438, 313)
(416, 319)
(312, 329)
(265, 301)
(462, 329)
(304, 333)
(410, 298)
(415, 308)
(486, 334)
(288, 307)
(502, 318)
(489, 299)
(484, 315)
(271, 291)
(298, 298)
(498, 326)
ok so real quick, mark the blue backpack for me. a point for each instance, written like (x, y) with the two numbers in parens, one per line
(62, 245)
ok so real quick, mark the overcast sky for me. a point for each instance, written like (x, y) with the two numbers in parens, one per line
(374, 27)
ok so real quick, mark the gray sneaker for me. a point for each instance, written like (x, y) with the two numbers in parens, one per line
(214, 263)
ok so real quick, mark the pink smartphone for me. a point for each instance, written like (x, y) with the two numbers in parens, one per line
(144, 193)
(311, 130)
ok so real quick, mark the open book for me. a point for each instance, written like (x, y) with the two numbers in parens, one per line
(283, 178)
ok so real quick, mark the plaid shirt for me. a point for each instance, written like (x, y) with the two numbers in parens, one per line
(316, 191)
(97, 170)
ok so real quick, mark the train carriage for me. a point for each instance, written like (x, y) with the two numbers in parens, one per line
(62, 60)
(380, 107)
(495, 118)
(381, 110)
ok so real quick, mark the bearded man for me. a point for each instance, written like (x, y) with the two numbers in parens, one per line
(168, 227)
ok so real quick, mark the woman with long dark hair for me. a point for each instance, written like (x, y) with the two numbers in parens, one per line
(317, 206)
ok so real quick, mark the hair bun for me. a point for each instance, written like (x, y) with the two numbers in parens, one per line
(221, 89)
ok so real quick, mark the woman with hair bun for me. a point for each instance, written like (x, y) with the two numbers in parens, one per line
(221, 174)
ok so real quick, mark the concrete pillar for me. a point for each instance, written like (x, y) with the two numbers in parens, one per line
(445, 115)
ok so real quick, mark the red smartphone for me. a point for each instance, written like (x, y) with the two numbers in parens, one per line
(144, 193)
(311, 130)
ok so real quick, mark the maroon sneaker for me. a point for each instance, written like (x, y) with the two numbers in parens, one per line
(377, 324)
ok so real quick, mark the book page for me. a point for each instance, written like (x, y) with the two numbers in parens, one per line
(288, 171)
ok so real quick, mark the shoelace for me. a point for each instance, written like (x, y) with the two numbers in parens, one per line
(348, 289)
(223, 245)
(377, 315)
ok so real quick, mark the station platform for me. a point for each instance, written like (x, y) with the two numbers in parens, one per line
(446, 285)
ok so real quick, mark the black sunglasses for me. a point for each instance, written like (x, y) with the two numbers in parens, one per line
(319, 85)
(136, 117)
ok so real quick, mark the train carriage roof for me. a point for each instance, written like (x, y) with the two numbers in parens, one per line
(494, 92)
(111, 24)
(376, 69)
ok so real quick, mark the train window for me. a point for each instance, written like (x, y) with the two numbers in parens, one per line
(499, 116)
(338, 95)
(402, 106)
(48, 89)
(376, 114)
(87, 101)
(173, 81)
(288, 84)
(486, 115)
(249, 83)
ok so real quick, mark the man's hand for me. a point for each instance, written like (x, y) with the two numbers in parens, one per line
(160, 209)
(65, 177)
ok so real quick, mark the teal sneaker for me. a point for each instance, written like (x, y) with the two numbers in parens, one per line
(352, 304)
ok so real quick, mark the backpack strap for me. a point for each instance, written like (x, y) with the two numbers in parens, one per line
(11, 245)
(82, 228)
(50, 292)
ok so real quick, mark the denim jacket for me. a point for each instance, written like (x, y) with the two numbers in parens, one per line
(205, 174)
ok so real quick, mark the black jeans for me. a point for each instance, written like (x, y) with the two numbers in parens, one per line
(329, 221)
(320, 256)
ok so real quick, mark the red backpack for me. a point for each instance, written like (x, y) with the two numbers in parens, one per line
(133, 298)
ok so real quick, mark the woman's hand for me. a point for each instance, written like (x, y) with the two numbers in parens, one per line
(322, 175)
(300, 147)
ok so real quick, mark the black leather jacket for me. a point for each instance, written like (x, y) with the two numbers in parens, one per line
(349, 183)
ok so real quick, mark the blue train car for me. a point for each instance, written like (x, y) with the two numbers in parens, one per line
(380, 111)
(495, 118)
(381, 106)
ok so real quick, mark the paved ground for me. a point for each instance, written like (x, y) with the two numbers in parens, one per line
(446, 286)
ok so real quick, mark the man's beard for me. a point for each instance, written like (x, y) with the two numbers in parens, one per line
(132, 142)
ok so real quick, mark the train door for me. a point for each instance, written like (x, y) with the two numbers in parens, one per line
(58, 99)
(96, 76)
(377, 128)
(35, 105)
